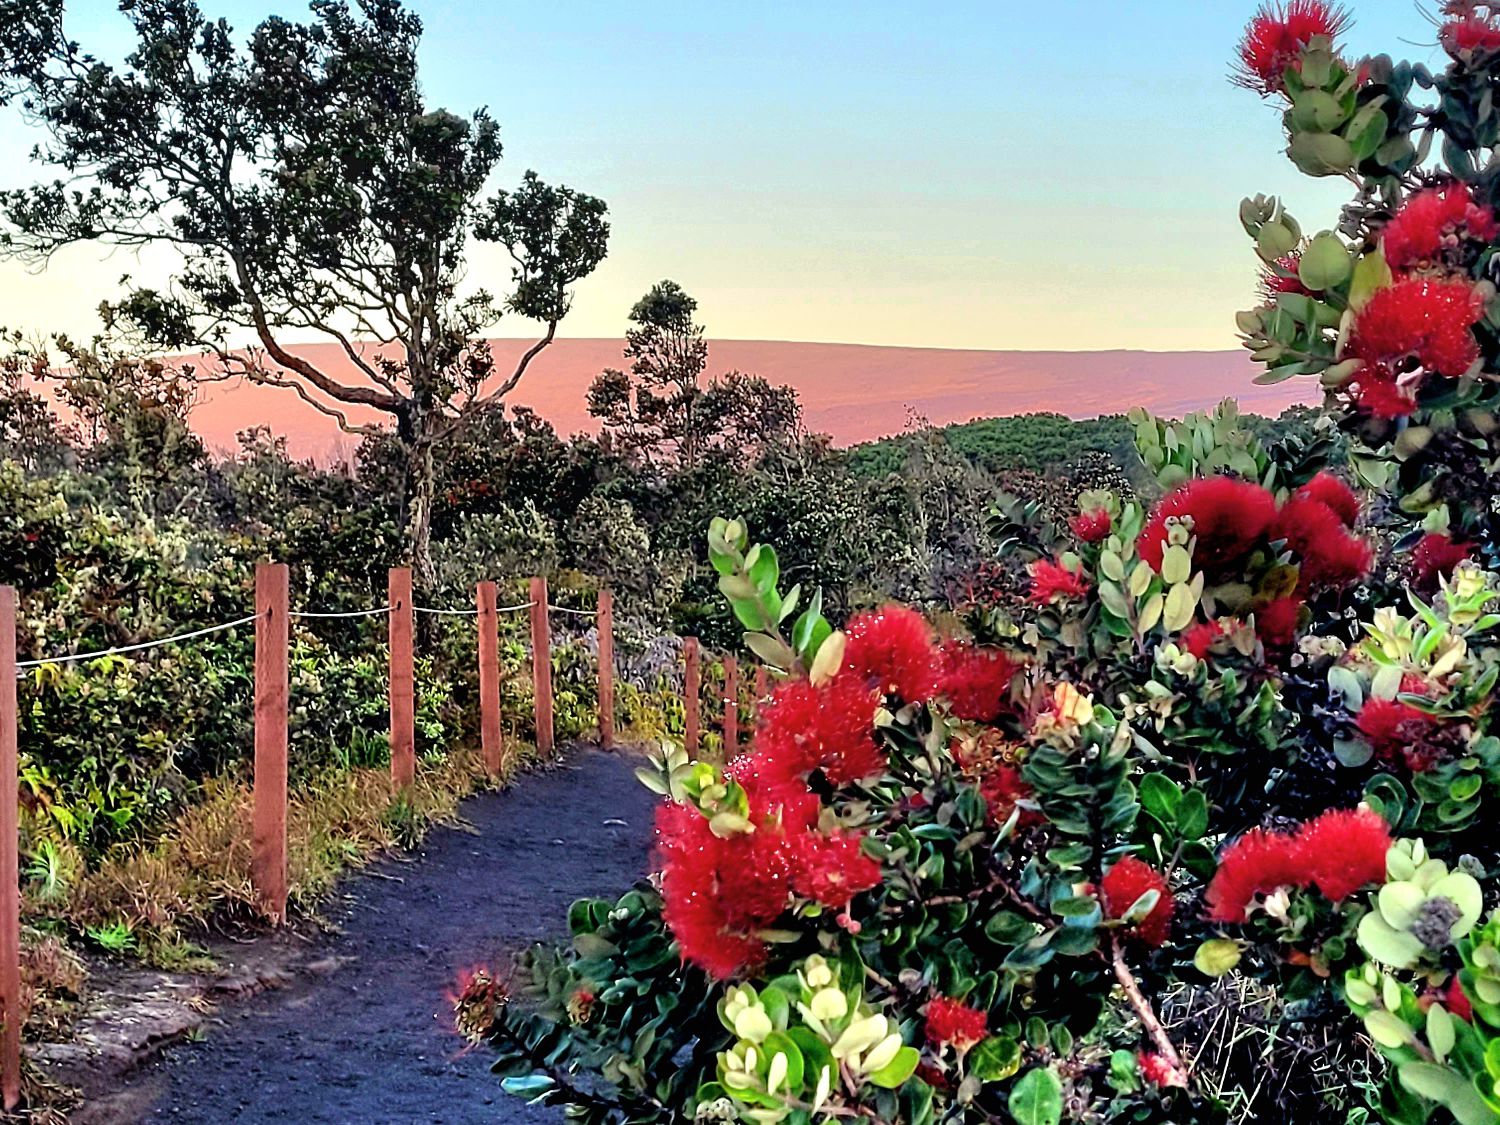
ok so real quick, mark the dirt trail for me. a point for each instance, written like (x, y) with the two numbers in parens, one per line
(371, 1042)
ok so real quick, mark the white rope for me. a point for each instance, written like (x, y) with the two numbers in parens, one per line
(514, 608)
(569, 609)
(305, 613)
(73, 658)
(446, 612)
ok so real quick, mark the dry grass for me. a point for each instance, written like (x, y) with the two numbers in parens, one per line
(197, 875)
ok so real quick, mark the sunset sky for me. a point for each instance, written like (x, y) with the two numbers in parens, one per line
(989, 175)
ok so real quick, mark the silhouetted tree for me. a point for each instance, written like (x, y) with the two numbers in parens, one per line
(309, 190)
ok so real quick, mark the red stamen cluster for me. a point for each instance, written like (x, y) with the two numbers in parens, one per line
(1004, 789)
(720, 892)
(953, 1023)
(1052, 581)
(1417, 327)
(1274, 40)
(1467, 31)
(805, 728)
(1091, 526)
(1338, 852)
(1230, 517)
(1124, 884)
(1434, 221)
(1435, 557)
(1327, 553)
(975, 681)
(1397, 731)
(892, 650)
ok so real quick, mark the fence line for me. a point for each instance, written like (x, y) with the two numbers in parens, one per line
(272, 619)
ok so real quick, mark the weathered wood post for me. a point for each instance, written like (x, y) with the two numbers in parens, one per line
(272, 635)
(403, 690)
(692, 681)
(605, 623)
(731, 707)
(541, 667)
(490, 736)
(10, 860)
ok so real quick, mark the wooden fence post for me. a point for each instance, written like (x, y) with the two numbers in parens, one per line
(605, 622)
(541, 667)
(691, 690)
(762, 689)
(10, 862)
(272, 634)
(402, 687)
(731, 707)
(490, 735)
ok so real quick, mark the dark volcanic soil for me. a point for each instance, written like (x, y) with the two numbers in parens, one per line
(372, 1042)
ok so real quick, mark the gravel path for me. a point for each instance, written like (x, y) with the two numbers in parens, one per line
(371, 1042)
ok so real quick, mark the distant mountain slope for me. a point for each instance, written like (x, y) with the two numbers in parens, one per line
(854, 392)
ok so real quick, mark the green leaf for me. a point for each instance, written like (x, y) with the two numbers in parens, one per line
(1217, 956)
(1036, 1098)
(898, 1070)
(995, 1059)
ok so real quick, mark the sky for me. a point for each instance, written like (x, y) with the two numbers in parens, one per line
(1061, 175)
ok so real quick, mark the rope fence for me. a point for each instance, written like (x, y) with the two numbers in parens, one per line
(272, 619)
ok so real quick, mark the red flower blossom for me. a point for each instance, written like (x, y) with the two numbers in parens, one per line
(892, 649)
(1093, 525)
(1344, 850)
(1052, 580)
(954, 1023)
(803, 728)
(1124, 884)
(1378, 393)
(1327, 553)
(1434, 219)
(1339, 852)
(1258, 863)
(1434, 557)
(1416, 325)
(1331, 490)
(832, 869)
(1282, 277)
(1159, 1072)
(1003, 789)
(1229, 517)
(1395, 730)
(1275, 37)
(718, 893)
(975, 681)
(1276, 622)
(1469, 33)
(1199, 637)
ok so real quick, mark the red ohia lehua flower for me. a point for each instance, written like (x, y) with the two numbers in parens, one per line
(1158, 1071)
(1344, 850)
(953, 1023)
(1199, 638)
(805, 728)
(892, 650)
(1436, 556)
(1327, 554)
(1053, 580)
(1092, 525)
(1229, 518)
(1276, 622)
(1003, 789)
(1397, 731)
(1416, 327)
(1124, 884)
(975, 681)
(1466, 30)
(832, 869)
(1282, 277)
(1433, 221)
(1275, 37)
(1331, 490)
(1339, 852)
